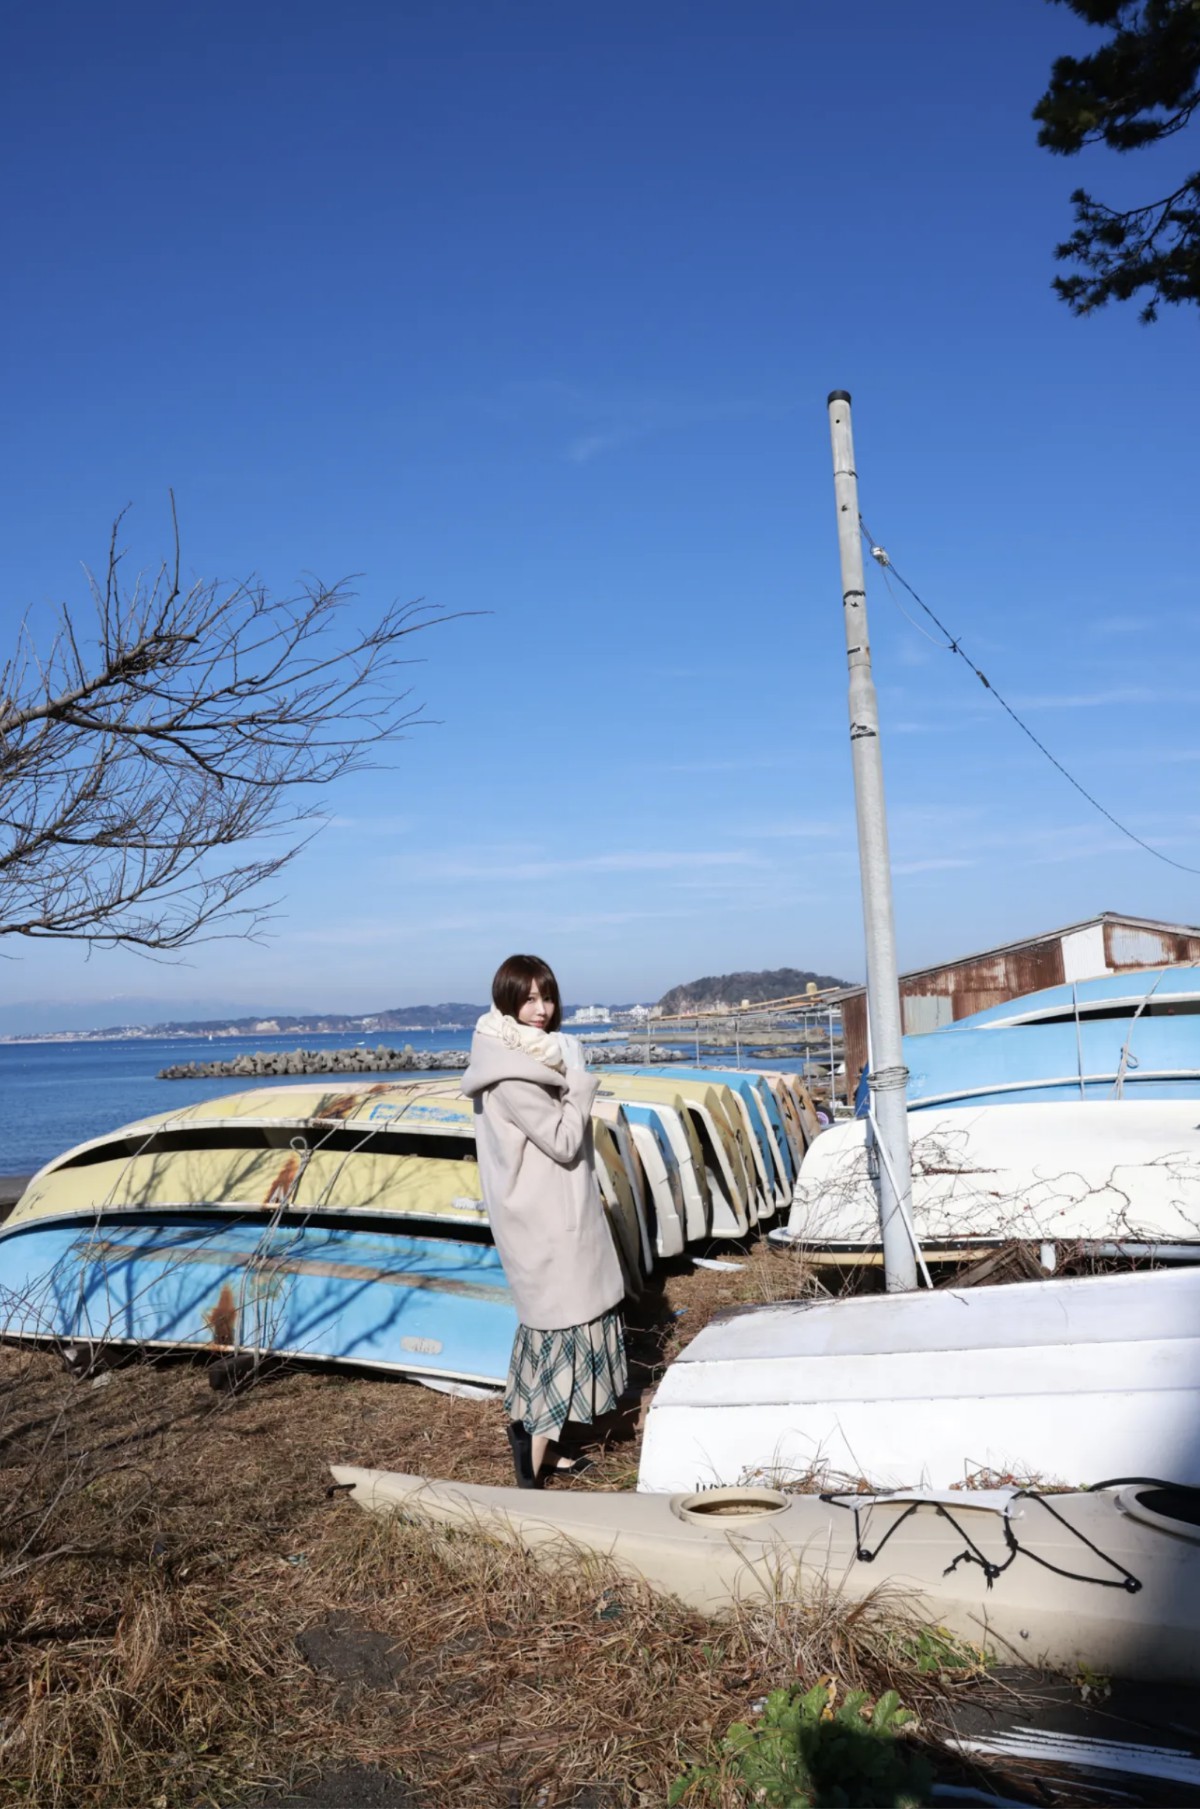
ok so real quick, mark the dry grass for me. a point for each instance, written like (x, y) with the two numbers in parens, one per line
(164, 1546)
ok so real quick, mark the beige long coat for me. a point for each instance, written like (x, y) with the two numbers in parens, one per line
(533, 1137)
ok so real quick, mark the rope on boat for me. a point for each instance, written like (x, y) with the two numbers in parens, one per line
(1127, 1059)
(1125, 1579)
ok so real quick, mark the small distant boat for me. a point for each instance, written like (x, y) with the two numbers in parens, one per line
(328, 1294)
(1068, 1381)
(1118, 1177)
(1109, 1580)
(725, 1113)
(789, 1130)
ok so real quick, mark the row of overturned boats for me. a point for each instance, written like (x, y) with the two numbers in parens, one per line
(349, 1225)
(1023, 1460)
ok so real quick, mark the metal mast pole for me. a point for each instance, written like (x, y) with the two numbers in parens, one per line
(888, 1075)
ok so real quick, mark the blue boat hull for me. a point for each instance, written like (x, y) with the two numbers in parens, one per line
(1024, 1064)
(420, 1306)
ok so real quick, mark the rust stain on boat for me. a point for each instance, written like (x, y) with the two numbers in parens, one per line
(284, 1181)
(221, 1319)
(342, 1105)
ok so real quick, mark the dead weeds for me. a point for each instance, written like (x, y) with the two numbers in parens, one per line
(168, 1557)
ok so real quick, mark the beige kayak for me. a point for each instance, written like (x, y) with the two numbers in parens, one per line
(1110, 1579)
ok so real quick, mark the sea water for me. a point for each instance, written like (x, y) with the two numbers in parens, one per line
(56, 1095)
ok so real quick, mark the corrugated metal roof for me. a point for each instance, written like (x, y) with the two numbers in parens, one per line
(1004, 948)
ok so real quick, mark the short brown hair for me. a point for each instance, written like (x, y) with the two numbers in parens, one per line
(514, 983)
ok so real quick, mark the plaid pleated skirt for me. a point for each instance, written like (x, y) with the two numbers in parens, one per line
(576, 1373)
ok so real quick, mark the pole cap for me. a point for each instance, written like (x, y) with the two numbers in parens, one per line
(839, 395)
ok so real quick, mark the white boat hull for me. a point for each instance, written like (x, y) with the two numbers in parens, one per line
(1066, 1382)
(1129, 1607)
(1120, 1172)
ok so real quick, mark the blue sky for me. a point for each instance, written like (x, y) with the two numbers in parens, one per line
(534, 310)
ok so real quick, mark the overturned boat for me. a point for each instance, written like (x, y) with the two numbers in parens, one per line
(1067, 1381)
(331, 1224)
(427, 1307)
(730, 1194)
(762, 1119)
(652, 1165)
(1094, 1057)
(1143, 992)
(388, 1149)
(1109, 1580)
(388, 1152)
(1117, 1177)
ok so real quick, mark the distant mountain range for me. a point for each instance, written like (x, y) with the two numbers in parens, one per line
(453, 1014)
(396, 1017)
(56, 1021)
(732, 989)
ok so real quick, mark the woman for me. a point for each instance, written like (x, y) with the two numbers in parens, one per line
(534, 1141)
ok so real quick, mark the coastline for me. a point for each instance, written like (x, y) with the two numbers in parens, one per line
(11, 1189)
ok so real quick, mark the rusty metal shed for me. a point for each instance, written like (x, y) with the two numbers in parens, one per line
(1107, 944)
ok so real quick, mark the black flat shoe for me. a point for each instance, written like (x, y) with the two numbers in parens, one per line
(556, 1464)
(574, 1466)
(521, 1444)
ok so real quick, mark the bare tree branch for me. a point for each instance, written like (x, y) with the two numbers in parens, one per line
(173, 727)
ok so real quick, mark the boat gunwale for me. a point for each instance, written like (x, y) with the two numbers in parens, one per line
(169, 1345)
(269, 1211)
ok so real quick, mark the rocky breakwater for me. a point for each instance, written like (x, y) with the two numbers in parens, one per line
(282, 1063)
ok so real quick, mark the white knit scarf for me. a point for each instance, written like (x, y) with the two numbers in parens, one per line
(543, 1045)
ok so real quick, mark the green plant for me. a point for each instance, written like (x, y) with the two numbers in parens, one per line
(1093, 1686)
(936, 1652)
(808, 1752)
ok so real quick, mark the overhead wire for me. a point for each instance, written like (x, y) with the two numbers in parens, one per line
(952, 644)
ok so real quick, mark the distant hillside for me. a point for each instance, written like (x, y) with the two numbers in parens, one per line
(415, 1016)
(731, 989)
(454, 1015)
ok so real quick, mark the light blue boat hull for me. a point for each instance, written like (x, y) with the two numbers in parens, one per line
(1157, 990)
(420, 1306)
(1027, 1064)
(648, 1115)
(762, 1104)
